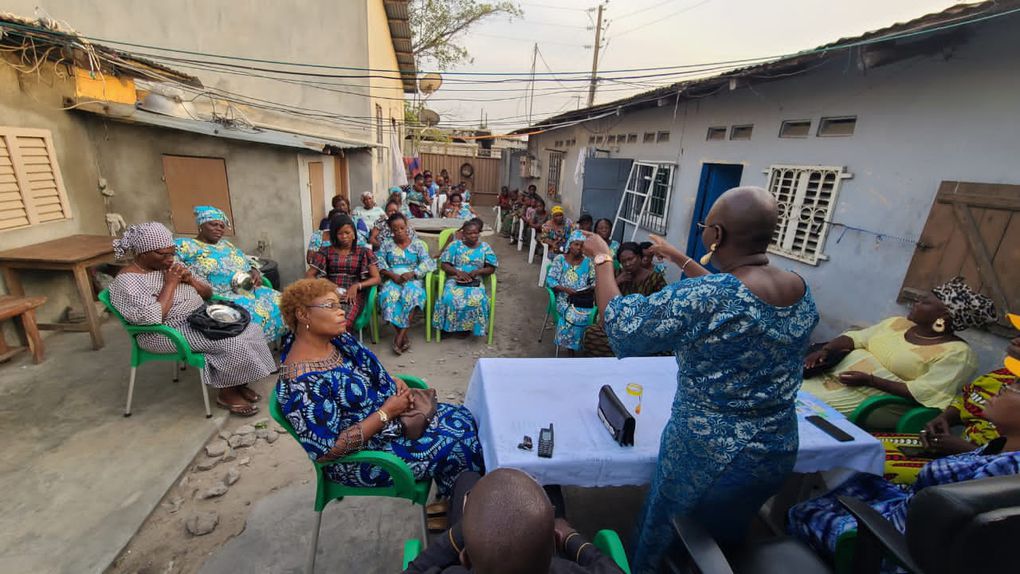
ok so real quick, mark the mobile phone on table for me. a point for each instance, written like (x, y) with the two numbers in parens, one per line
(545, 442)
(830, 429)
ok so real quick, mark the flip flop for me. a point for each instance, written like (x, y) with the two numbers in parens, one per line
(405, 346)
(438, 508)
(239, 410)
(396, 349)
(249, 394)
(437, 524)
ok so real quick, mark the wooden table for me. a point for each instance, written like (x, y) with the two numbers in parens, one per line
(74, 254)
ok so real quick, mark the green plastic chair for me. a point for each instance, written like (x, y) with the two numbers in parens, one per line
(492, 302)
(140, 356)
(912, 421)
(432, 284)
(607, 541)
(404, 485)
(367, 317)
(552, 313)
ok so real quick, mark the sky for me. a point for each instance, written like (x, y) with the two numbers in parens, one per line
(638, 34)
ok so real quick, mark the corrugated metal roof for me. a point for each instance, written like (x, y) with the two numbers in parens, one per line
(133, 115)
(783, 66)
(73, 49)
(400, 33)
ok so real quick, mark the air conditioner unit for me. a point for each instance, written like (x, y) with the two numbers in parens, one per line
(531, 167)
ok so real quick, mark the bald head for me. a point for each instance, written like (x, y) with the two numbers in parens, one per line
(508, 525)
(748, 216)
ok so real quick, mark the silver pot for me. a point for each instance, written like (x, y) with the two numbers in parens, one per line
(242, 282)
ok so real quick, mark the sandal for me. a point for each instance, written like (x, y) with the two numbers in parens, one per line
(396, 349)
(438, 508)
(249, 394)
(405, 345)
(437, 524)
(239, 410)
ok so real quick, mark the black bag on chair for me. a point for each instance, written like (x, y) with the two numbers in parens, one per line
(216, 323)
(582, 299)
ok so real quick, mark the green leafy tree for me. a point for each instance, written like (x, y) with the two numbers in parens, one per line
(438, 26)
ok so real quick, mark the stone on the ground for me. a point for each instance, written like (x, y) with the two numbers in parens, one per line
(207, 464)
(213, 491)
(280, 429)
(242, 440)
(216, 448)
(271, 436)
(244, 461)
(244, 429)
(261, 423)
(202, 523)
(232, 476)
(174, 504)
(229, 455)
(224, 434)
(261, 432)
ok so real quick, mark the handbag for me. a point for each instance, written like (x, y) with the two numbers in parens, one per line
(418, 418)
(216, 323)
(582, 299)
(616, 417)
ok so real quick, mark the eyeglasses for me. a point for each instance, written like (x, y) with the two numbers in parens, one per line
(332, 305)
(702, 226)
(1013, 388)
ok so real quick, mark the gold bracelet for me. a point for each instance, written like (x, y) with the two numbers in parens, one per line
(686, 263)
(567, 539)
(383, 417)
(579, 549)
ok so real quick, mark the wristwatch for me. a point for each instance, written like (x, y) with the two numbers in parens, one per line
(603, 258)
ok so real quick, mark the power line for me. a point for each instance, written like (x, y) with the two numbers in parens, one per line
(552, 7)
(663, 19)
(636, 12)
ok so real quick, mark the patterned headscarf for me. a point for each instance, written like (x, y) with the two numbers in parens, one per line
(576, 235)
(207, 213)
(967, 308)
(142, 238)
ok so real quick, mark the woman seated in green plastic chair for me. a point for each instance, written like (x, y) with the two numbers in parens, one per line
(216, 260)
(404, 262)
(572, 278)
(352, 267)
(464, 305)
(918, 357)
(339, 399)
(155, 289)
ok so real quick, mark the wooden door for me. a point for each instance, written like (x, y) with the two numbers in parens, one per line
(316, 192)
(973, 230)
(192, 181)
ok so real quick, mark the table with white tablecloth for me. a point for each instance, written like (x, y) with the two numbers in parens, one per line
(511, 398)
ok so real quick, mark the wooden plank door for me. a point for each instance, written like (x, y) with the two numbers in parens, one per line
(316, 192)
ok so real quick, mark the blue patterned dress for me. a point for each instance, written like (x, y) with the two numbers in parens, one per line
(464, 308)
(321, 404)
(217, 265)
(732, 438)
(572, 320)
(397, 301)
(822, 520)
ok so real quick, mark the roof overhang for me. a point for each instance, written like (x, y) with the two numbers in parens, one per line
(400, 33)
(270, 136)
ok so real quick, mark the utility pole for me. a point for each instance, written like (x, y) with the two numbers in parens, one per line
(531, 99)
(595, 57)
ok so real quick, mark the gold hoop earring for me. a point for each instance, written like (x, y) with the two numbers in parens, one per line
(708, 256)
(939, 326)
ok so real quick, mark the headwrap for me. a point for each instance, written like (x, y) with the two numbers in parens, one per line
(576, 235)
(967, 308)
(142, 238)
(207, 213)
(557, 209)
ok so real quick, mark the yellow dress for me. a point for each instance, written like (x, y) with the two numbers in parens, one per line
(933, 374)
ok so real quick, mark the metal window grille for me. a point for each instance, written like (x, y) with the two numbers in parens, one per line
(555, 169)
(806, 196)
(655, 180)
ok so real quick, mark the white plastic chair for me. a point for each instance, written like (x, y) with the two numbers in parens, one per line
(543, 269)
(532, 247)
(499, 218)
(437, 204)
(520, 236)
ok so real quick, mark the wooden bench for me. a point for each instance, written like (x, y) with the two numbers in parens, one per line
(10, 307)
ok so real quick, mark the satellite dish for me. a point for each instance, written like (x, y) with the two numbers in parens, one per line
(428, 117)
(430, 82)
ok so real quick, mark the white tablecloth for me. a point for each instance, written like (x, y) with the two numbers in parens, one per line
(511, 398)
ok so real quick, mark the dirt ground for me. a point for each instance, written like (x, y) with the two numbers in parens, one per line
(164, 546)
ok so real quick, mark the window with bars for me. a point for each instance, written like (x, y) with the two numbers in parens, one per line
(378, 132)
(656, 181)
(806, 196)
(555, 169)
(31, 189)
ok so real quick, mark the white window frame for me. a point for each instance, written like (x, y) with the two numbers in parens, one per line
(653, 220)
(798, 190)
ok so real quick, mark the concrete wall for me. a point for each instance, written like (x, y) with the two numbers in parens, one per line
(387, 93)
(265, 194)
(328, 33)
(919, 122)
(34, 101)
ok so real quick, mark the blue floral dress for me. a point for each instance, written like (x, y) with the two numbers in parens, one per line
(464, 308)
(732, 438)
(217, 264)
(397, 301)
(572, 320)
(822, 520)
(319, 404)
